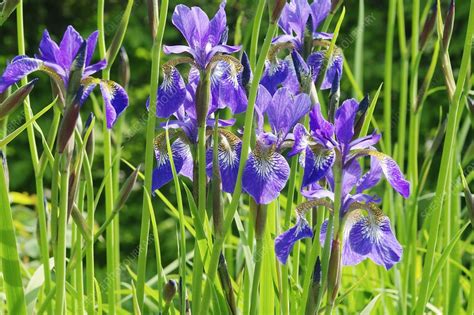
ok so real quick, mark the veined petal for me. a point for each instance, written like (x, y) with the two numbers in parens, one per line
(177, 49)
(226, 90)
(274, 75)
(373, 237)
(218, 26)
(265, 175)
(17, 69)
(350, 176)
(301, 139)
(318, 162)
(334, 72)
(297, 13)
(286, 110)
(392, 172)
(284, 242)
(323, 128)
(264, 99)
(90, 70)
(371, 177)
(115, 100)
(193, 23)
(181, 154)
(224, 49)
(365, 142)
(48, 49)
(344, 121)
(171, 94)
(91, 43)
(319, 11)
(88, 86)
(69, 47)
(228, 156)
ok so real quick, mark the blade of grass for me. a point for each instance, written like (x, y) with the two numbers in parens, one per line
(12, 282)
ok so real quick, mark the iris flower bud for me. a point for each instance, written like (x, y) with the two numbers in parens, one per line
(275, 7)
(152, 6)
(126, 189)
(75, 74)
(449, 25)
(335, 4)
(124, 68)
(169, 291)
(90, 144)
(4, 164)
(246, 71)
(14, 100)
(428, 27)
(68, 123)
(468, 196)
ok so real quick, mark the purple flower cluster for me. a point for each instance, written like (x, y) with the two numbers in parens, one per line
(282, 103)
(58, 61)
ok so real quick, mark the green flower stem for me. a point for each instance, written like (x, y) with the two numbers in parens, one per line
(334, 266)
(149, 156)
(79, 284)
(219, 242)
(109, 188)
(284, 294)
(255, 32)
(260, 223)
(387, 95)
(89, 245)
(35, 161)
(447, 155)
(60, 262)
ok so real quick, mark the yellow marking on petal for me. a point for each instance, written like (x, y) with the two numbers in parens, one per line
(302, 208)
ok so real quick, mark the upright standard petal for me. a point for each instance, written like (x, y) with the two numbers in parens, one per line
(171, 93)
(350, 176)
(69, 47)
(48, 49)
(284, 242)
(265, 175)
(286, 110)
(322, 128)
(218, 27)
(319, 11)
(17, 69)
(228, 155)
(373, 237)
(91, 43)
(318, 161)
(334, 71)
(263, 101)
(226, 90)
(115, 100)
(344, 121)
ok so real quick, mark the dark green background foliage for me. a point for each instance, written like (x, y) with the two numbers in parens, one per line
(56, 15)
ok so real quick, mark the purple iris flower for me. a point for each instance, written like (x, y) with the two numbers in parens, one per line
(266, 170)
(364, 236)
(185, 128)
(207, 44)
(57, 60)
(205, 37)
(298, 16)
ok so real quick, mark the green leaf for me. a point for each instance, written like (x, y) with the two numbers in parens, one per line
(370, 307)
(370, 113)
(11, 269)
(119, 35)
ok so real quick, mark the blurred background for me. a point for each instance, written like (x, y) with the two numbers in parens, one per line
(57, 15)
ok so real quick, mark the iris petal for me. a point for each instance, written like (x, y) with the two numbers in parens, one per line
(301, 139)
(376, 240)
(181, 159)
(171, 94)
(286, 110)
(229, 158)
(284, 242)
(334, 72)
(69, 47)
(91, 43)
(318, 161)
(48, 49)
(265, 175)
(17, 69)
(392, 172)
(226, 89)
(319, 11)
(115, 100)
(344, 121)
(274, 75)
(371, 177)
(193, 23)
